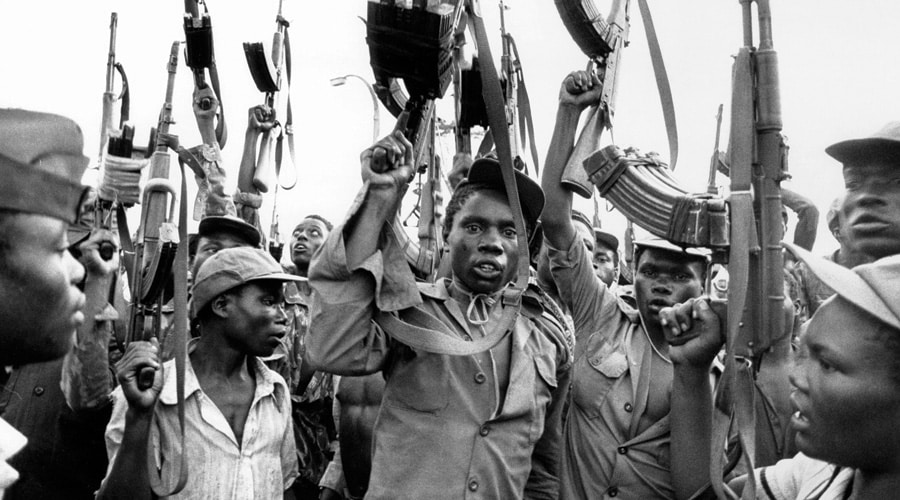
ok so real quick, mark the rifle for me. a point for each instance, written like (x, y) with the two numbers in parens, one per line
(711, 187)
(604, 48)
(200, 57)
(157, 254)
(268, 72)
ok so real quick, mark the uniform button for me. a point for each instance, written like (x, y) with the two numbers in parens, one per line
(485, 430)
(38, 390)
(480, 377)
(628, 407)
(613, 491)
(473, 485)
(623, 450)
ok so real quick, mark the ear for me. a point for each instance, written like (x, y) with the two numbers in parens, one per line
(220, 306)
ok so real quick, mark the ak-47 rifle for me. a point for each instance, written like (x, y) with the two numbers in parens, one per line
(200, 56)
(711, 186)
(602, 42)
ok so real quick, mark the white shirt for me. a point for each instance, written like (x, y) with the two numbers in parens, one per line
(262, 467)
(802, 477)
(11, 441)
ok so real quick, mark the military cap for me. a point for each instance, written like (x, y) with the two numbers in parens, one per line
(41, 164)
(486, 171)
(883, 144)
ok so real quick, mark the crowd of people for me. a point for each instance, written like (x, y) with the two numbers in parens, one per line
(342, 375)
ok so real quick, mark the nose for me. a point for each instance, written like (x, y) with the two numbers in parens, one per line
(661, 286)
(490, 242)
(797, 376)
(281, 316)
(74, 268)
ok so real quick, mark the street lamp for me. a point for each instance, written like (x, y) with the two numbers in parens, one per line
(376, 119)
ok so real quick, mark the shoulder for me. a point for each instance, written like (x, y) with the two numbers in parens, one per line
(540, 309)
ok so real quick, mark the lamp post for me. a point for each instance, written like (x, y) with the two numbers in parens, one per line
(376, 119)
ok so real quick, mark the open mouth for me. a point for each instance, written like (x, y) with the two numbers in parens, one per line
(487, 269)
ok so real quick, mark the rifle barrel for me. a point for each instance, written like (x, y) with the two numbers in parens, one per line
(111, 57)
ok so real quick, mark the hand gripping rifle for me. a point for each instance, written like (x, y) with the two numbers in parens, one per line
(603, 42)
(414, 46)
(200, 56)
(744, 230)
(271, 71)
(156, 255)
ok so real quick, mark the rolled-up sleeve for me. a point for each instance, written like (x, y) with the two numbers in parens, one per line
(342, 337)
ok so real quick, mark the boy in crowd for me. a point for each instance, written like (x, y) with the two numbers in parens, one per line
(239, 440)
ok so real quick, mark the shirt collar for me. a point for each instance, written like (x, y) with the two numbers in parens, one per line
(267, 382)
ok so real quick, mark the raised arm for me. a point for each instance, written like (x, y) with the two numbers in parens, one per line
(579, 90)
(128, 433)
(358, 271)
(694, 334)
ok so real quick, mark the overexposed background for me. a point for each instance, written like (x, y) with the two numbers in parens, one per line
(838, 64)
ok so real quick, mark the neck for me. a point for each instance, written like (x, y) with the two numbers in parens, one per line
(302, 270)
(213, 355)
(875, 485)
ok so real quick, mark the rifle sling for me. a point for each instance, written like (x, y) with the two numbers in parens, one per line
(434, 336)
(289, 121)
(179, 336)
(526, 123)
(662, 82)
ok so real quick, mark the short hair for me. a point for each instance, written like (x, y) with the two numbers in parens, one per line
(325, 221)
(459, 198)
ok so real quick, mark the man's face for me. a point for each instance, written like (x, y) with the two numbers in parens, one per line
(256, 318)
(872, 207)
(483, 247)
(305, 240)
(212, 243)
(846, 402)
(605, 263)
(662, 279)
(40, 303)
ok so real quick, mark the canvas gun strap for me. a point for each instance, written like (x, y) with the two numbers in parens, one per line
(288, 129)
(526, 123)
(430, 337)
(179, 336)
(662, 82)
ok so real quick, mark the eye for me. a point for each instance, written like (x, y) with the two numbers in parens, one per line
(650, 273)
(269, 301)
(314, 232)
(509, 232)
(472, 228)
(682, 277)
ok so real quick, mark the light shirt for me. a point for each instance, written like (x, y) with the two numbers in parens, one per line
(261, 467)
(11, 441)
(802, 477)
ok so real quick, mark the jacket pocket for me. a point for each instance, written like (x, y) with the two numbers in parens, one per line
(596, 371)
(419, 382)
(545, 384)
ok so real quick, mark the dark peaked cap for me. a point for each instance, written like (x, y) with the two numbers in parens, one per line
(41, 164)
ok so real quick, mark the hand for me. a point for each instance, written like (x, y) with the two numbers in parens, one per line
(389, 162)
(140, 355)
(205, 104)
(260, 118)
(693, 332)
(101, 244)
(580, 89)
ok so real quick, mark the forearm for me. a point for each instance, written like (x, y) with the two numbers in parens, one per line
(248, 161)
(556, 217)
(86, 379)
(691, 428)
(127, 478)
(363, 230)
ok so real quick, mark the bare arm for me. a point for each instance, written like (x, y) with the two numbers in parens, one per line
(86, 379)
(693, 332)
(578, 90)
(127, 477)
(807, 217)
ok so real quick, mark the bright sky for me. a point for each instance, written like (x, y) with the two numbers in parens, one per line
(838, 65)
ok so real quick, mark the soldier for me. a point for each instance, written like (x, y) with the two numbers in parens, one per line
(617, 435)
(486, 423)
(41, 164)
